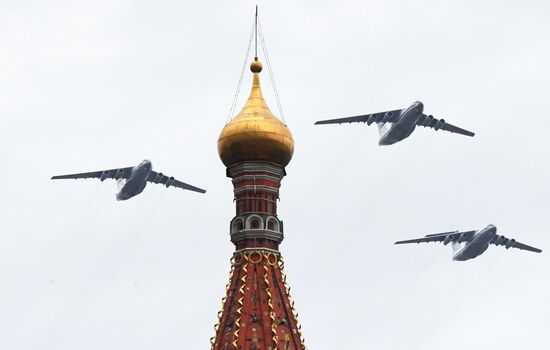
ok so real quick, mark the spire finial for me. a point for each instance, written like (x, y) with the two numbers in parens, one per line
(256, 66)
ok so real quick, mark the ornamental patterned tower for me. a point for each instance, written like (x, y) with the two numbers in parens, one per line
(257, 311)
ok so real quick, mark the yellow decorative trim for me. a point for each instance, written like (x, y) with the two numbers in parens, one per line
(217, 325)
(271, 255)
(291, 302)
(240, 302)
(255, 261)
(271, 312)
(238, 255)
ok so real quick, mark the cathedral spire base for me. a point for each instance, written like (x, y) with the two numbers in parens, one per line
(258, 312)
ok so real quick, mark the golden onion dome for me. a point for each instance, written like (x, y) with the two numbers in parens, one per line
(255, 134)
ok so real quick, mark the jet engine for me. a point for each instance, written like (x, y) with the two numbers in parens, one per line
(439, 124)
(447, 239)
(119, 174)
(428, 121)
(158, 177)
(462, 238)
(169, 181)
(371, 119)
(387, 117)
(510, 243)
(104, 175)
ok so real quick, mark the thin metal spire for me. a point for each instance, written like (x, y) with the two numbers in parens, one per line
(256, 36)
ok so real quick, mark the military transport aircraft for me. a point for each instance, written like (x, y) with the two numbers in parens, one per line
(132, 180)
(403, 121)
(475, 242)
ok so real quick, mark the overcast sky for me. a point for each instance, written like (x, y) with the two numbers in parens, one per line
(94, 85)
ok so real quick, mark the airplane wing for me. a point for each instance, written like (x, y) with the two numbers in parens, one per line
(121, 173)
(445, 237)
(160, 178)
(512, 243)
(429, 121)
(382, 117)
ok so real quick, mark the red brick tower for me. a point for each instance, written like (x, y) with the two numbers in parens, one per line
(257, 311)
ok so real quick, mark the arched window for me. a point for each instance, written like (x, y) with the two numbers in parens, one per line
(238, 225)
(254, 222)
(272, 224)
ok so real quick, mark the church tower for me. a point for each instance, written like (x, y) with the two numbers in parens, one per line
(257, 311)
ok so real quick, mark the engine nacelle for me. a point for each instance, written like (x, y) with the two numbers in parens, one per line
(439, 124)
(447, 239)
(119, 174)
(462, 238)
(510, 243)
(158, 178)
(103, 176)
(428, 121)
(387, 117)
(169, 181)
(371, 119)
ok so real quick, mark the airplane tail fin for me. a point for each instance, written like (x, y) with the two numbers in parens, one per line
(382, 128)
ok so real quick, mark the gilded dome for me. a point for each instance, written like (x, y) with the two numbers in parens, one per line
(255, 134)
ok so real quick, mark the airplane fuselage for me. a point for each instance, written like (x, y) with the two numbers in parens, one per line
(477, 245)
(404, 127)
(137, 181)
